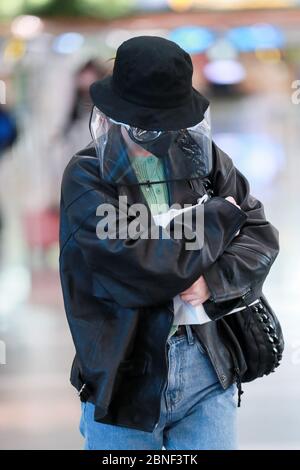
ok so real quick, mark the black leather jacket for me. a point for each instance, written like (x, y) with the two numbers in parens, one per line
(118, 292)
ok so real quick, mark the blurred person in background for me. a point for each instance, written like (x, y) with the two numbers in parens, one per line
(73, 131)
(8, 135)
(8, 129)
(76, 130)
(146, 380)
(70, 133)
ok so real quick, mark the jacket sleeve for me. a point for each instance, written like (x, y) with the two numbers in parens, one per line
(246, 261)
(147, 271)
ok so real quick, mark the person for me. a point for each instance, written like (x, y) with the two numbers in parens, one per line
(8, 130)
(146, 379)
(71, 129)
(8, 137)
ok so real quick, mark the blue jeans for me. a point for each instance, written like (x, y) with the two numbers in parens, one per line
(196, 412)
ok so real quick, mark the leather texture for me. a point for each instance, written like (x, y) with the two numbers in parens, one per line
(118, 292)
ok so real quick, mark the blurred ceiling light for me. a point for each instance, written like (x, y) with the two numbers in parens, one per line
(222, 50)
(224, 72)
(26, 26)
(272, 56)
(180, 5)
(258, 36)
(14, 49)
(68, 43)
(193, 39)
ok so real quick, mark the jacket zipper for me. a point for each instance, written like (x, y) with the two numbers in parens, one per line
(262, 256)
(243, 295)
(237, 374)
(236, 370)
(166, 361)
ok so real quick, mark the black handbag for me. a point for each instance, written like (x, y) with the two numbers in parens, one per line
(260, 337)
(257, 332)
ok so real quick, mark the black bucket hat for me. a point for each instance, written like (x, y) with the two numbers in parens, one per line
(151, 86)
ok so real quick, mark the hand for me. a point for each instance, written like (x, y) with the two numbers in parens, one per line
(233, 201)
(197, 293)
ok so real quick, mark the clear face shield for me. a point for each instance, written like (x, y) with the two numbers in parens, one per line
(129, 155)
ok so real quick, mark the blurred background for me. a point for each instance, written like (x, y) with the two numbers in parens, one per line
(246, 57)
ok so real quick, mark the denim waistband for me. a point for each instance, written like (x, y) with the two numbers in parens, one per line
(189, 335)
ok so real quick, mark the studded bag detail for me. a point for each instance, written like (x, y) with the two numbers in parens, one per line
(257, 330)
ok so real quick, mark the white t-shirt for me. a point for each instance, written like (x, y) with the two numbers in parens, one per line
(184, 312)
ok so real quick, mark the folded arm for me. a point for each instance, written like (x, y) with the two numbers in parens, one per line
(246, 261)
(146, 271)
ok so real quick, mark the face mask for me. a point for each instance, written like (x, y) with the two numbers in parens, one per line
(183, 154)
(155, 142)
